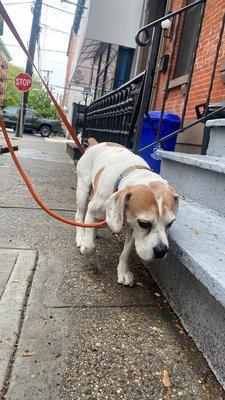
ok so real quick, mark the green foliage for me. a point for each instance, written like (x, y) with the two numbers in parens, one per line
(38, 98)
(12, 94)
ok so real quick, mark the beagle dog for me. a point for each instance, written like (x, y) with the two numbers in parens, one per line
(117, 185)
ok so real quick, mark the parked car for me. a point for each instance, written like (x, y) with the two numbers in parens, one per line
(33, 121)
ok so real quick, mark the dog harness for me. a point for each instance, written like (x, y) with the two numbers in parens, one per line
(125, 173)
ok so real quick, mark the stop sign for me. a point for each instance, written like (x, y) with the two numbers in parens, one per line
(23, 82)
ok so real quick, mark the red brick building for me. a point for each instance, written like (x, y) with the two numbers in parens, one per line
(184, 37)
(4, 61)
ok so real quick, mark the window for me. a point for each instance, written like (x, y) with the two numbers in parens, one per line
(114, 65)
(106, 63)
(187, 40)
(14, 111)
(29, 114)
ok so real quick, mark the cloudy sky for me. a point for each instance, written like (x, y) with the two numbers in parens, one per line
(53, 43)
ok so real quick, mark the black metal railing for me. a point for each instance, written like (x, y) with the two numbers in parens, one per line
(109, 118)
(119, 115)
(206, 114)
(149, 31)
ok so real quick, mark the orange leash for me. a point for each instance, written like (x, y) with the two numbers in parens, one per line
(27, 181)
(12, 28)
(32, 191)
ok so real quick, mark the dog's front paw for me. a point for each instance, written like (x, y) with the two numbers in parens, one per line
(87, 250)
(79, 240)
(126, 278)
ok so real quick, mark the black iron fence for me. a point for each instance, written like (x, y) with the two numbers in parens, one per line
(109, 118)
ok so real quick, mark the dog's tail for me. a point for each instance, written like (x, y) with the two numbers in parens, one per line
(92, 142)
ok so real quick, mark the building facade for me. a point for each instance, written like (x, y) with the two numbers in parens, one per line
(105, 56)
(101, 49)
(184, 35)
(5, 58)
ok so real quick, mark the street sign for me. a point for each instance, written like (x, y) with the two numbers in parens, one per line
(23, 82)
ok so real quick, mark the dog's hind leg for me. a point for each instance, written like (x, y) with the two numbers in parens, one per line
(125, 276)
(82, 194)
(88, 245)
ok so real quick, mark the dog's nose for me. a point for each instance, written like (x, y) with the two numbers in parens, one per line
(160, 250)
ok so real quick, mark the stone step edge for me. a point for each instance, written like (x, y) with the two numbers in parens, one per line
(216, 123)
(210, 163)
(208, 280)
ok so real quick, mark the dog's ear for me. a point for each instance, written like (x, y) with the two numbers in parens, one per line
(115, 207)
(92, 142)
(176, 199)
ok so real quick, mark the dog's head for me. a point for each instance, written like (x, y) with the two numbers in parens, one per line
(149, 211)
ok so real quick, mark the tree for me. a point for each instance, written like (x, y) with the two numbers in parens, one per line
(38, 97)
(12, 97)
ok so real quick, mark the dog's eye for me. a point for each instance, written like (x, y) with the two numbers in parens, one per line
(169, 225)
(144, 224)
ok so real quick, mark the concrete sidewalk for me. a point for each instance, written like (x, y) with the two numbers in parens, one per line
(80, 335)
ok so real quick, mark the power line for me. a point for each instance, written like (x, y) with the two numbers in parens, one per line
(74, 4)
(58, 9)
(68, 88)
(54, 29)
(54, 62)
(51, 50)
(15, 4)
(12, 45)
(55, 51)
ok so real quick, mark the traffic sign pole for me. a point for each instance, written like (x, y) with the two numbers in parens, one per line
(23, 82)
(21, 115)
(34, 34)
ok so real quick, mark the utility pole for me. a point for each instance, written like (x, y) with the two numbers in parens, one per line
(35, 30)
(48, 72)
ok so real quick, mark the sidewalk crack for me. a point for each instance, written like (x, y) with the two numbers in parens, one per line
(23, 313)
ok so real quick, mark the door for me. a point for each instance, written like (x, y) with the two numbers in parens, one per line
(29, 122)
(123, 67)
(154, 11)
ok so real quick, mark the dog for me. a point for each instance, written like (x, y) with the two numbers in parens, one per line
(117, 185)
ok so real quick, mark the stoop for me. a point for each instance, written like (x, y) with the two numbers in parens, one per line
(193, 275)
(217, 140)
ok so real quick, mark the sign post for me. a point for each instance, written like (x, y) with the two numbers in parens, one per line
(21, 116)
(23, 82)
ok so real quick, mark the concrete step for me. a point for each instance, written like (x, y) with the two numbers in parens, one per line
(193, 279)
(217, 137)
(196, 177)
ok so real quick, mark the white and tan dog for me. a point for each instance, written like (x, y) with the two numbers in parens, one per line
(117, 185)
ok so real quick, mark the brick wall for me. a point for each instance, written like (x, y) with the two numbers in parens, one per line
(203, 66)
(3, 78)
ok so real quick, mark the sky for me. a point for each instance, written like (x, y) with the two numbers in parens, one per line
(57, 42)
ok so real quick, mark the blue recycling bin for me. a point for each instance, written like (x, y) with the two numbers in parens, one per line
(170, 123)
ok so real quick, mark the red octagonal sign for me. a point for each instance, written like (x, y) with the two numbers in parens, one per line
(23, 82)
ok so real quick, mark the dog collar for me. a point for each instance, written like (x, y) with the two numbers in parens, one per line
(125, 173)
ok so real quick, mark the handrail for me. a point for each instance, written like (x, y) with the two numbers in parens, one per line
(147, 27)
(136, 79)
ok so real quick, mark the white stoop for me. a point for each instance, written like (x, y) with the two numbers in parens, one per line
(193, 275)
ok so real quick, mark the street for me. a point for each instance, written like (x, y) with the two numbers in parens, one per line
(70, 331)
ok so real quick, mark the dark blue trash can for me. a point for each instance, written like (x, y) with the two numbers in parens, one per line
(170, 123)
